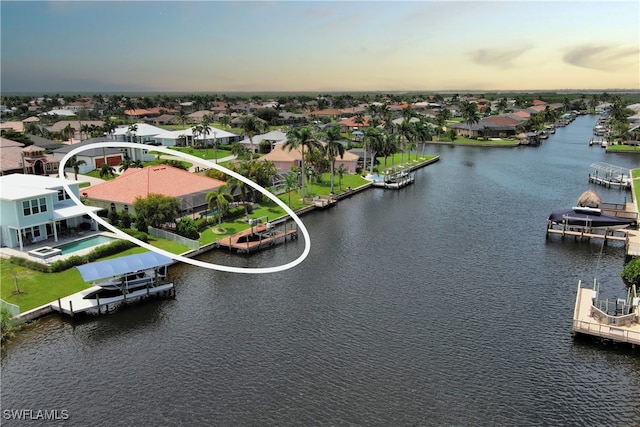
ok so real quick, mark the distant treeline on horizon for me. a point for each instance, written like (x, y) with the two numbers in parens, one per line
(250, 94)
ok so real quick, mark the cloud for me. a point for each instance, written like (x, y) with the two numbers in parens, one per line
(604, 58)
(500, 58)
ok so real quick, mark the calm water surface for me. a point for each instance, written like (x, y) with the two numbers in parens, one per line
(440, 304)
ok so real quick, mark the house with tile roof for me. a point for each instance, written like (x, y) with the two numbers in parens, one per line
(34, 208)
(284, 159)
(119, 194)
(32, 159)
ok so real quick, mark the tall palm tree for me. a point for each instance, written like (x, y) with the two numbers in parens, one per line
(301, 137)
(108, 127)
(252, 126)
(333, 149)
(75, 164)
(220, 199)
(290, 184)
(470, 115)
(182, 118)
(405, 134)
(205, 129)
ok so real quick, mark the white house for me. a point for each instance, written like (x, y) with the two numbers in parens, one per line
(35, 208)
(149, 134)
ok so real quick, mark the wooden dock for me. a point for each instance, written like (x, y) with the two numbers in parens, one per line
(77, 303)
(590, 320)
(256, 238)
(619, 234)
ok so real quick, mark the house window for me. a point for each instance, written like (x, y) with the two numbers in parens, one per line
(113, 207)
(126, 208)
(62, 195)
(34, 206)
(48, 166)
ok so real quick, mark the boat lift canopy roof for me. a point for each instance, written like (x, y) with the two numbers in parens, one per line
(123, 265)
(611, 170)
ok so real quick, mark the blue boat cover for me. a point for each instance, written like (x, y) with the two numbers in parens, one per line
(123, 265)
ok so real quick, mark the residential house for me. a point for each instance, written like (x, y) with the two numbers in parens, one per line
(274, 137)
(93, 157)
(35, 208)
(16, 158)
(284, 159)
(119, 194)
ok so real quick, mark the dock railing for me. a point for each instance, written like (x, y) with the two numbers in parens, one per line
(606, 331)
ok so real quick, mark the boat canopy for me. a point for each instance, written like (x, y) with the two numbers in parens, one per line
(123, 265)
(611, 170)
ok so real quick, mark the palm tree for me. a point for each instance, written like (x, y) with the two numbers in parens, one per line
(107, 170)
(340, 172)
(333, 148)
(301, 137)
(252, 126)
(405, 134)
(220, 199)
(290, 184)
(75, 164)
(108, 127)
(205, 129)
(182, 118)
(131, 131)
(470, 115)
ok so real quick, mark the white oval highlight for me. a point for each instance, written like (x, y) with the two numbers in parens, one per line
(194, 159)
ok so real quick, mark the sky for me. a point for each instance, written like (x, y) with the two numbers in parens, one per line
(318, 46)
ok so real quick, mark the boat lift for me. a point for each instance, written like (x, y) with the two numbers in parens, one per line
(610, 175)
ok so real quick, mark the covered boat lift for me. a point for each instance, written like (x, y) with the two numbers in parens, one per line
(610, 175)
(89, 300)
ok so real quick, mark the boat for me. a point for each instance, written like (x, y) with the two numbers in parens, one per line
(589, 217)
(118, 281)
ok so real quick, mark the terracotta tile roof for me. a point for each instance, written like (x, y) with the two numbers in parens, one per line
(137, 112)
(539, 102)
(160, 110)
(350, 122)
(159, 179)
(503, 120)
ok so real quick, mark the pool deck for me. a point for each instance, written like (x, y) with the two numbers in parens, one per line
(9, 252)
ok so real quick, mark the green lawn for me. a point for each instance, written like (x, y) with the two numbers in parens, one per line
(205, 153)
(41, 288)
(37, 288)
(623, 148)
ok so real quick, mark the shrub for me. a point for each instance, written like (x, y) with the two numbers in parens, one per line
(33, 265)
(631, 272)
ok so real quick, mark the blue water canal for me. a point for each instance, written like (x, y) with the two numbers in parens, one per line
(439, 304)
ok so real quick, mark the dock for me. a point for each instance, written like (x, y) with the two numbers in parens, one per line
(78, 303)
(258, 237)
(609, 176)
(607, 320)
(395, 180)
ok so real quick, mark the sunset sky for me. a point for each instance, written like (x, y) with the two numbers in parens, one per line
(218, 46)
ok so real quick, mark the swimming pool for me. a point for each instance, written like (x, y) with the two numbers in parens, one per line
(85, 243)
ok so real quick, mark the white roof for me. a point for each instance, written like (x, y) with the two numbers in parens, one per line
(143, 129)
(20, 186)
(59, 113)
(73, 211)
(176, 134)
(275, 135)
